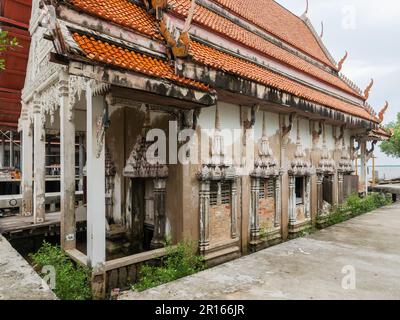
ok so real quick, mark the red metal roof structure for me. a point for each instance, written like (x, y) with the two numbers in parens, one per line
(14, 18)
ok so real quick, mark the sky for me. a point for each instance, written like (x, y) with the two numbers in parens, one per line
(370, 31)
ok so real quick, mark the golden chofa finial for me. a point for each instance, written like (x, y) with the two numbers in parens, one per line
(383, 111)
(368, 89)
(341, 62)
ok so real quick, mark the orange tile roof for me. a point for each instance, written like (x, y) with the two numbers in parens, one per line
(277, 20)
(228, 63)
(122, 12)
(117, 56)
(227, 28)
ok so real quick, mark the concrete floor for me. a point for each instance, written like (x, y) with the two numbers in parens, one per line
(18, 281)
(306, 268)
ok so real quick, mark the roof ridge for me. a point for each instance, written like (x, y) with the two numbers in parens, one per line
(309, 24)
(226, 4)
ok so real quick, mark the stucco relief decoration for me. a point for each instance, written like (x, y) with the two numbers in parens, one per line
(326, 164)
(300, 166)
(77, 87)
(265, 165)
(345, 162)
(216, 167)
(49, 101)
(138, 166)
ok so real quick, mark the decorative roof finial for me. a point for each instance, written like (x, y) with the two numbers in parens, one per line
(322, 29)
(305, 12)
(341, 62)
(189, 18)
(383, 111)
(368, 89)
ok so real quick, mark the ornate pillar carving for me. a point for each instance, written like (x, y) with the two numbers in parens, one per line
(39, 195)
(254, 225)
(158, 240)
(67, 152)
(27, 166)
(204, 216)
(234, 232)
(307, 198)
(292, 200)
(340, 187)
(320, 180)
(278, 207)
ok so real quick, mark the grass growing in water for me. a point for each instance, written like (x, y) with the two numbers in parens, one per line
(72, 282)
(180, 261)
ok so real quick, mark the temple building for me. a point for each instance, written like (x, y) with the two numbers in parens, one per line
(144, 95)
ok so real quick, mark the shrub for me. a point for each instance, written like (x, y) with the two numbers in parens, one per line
(180, 261)
(72, 281)
(356, 206)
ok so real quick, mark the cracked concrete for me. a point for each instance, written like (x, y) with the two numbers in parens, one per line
(306, 268)
(18, 280)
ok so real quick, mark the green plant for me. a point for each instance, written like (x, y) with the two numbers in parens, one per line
(5, 44)
(72, 282)
(180, 261)
(391, 147)
(356, 205)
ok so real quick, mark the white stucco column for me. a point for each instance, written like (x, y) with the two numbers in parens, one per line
(363, 175)
(39, 190)
(67, 153)
(96, 206)
(27, 169)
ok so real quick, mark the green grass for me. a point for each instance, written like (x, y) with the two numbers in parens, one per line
(72, 282)
(180, 261)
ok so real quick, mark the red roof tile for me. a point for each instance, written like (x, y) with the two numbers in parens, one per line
(229, 29)
(114, 55)
(228, 63)
(278, 21)
(122, 12)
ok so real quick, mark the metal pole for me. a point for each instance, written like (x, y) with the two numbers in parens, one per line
(11, 149)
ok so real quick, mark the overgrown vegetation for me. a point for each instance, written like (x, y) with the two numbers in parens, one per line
(356, 205)
(72, 282)
(180, 261)
(392, 146)
(5, 44)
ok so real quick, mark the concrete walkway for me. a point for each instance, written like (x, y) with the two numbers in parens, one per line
(18, 281)
(307, 268)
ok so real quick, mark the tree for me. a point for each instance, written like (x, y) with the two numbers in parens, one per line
(392, 146)
(5, 44)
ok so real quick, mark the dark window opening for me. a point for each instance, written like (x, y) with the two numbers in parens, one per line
(327, 191)
(299, 190)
